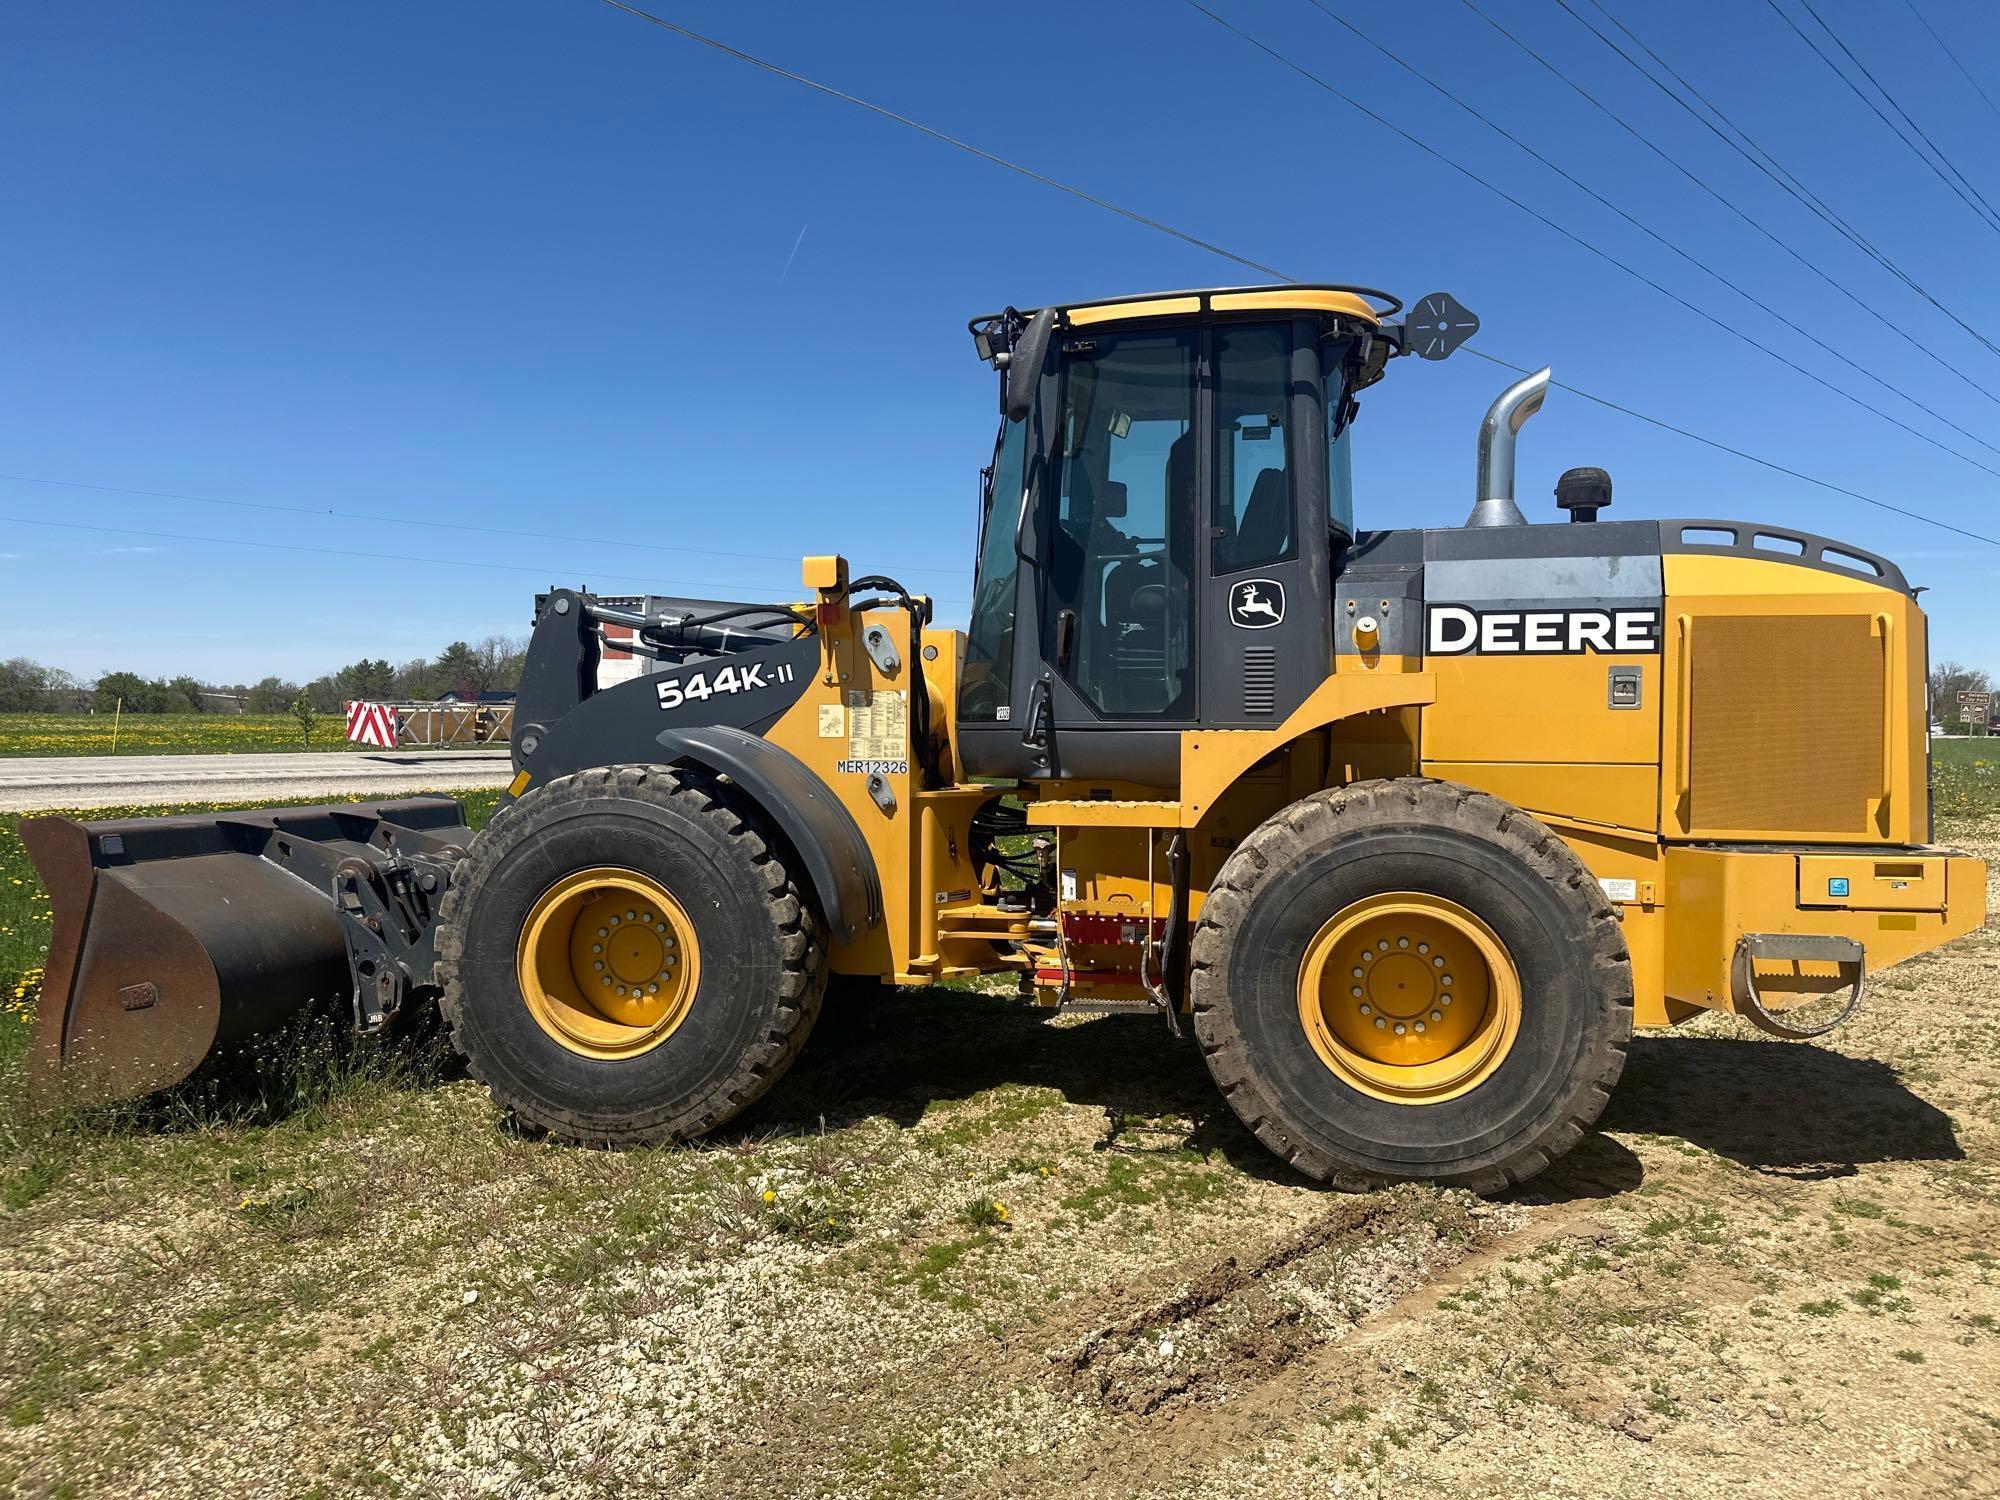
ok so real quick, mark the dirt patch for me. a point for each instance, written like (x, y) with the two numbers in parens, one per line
(963, 1248)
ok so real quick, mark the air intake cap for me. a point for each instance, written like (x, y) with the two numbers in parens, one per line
(1583, 493)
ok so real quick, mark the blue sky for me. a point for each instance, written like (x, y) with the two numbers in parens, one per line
(542, 267)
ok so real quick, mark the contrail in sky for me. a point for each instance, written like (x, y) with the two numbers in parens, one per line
(794, 255)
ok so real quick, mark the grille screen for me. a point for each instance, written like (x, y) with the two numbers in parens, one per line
(1786, 731)
(1260, 680)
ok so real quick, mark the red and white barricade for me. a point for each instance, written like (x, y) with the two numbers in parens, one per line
(372, 724)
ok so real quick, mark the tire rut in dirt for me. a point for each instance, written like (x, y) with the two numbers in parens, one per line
(763, 966)
(1234, 1326)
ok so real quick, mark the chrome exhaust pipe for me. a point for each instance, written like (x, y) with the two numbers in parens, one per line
(1494, 501)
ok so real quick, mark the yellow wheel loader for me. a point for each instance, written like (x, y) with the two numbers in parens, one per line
(1409, 828)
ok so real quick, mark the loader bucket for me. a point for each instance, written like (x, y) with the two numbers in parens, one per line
(178, 939)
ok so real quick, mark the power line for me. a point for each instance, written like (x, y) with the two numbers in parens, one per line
(620, 543)
(374, 557)
(1730, 134)
(1602, 254)
(1721, 447)
(1645, 140)
(1942, 167)
(1241, 260)
(936, 135)
(1650, 232)
(1911, 6)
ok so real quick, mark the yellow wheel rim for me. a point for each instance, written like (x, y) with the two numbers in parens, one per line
(608, 962)
(1409, 997)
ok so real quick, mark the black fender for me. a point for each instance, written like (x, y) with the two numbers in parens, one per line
(828, 841)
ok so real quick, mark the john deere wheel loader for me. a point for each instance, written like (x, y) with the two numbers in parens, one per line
(1410, 828)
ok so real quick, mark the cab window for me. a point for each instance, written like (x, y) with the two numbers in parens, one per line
(1253, 452)
(1120, 608)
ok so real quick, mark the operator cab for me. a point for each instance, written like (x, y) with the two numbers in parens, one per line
(1169, 489)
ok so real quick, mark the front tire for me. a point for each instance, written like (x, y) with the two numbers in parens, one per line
(626, 959)
(1410, 979)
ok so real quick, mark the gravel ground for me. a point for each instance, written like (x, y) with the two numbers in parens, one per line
(962, 1248)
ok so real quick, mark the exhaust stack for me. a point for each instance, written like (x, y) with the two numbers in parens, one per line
(1494, 503)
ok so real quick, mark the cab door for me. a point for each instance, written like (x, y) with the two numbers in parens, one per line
(1122, 548)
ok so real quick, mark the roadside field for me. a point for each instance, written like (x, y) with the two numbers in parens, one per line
(165, 734)
(964, 1249)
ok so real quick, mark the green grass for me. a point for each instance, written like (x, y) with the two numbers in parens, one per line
(164, 734)
(24, 910)
(1965, 777)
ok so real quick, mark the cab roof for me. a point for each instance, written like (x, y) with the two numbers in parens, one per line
(1304, 297)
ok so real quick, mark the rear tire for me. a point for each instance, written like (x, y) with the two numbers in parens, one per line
(1499, 884)
(761, 974)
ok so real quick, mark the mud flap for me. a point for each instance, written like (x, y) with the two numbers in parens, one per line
(177, 939)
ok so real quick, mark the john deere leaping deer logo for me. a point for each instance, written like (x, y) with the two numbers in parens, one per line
(1257, 603)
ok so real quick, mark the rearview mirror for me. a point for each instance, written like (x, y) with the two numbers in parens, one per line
(1024, 364)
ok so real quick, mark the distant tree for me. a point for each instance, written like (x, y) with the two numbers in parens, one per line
(126, 688)
(1949, 679)
(500, 661)
(191, 690)
(325, 694)
(272, 695)
(306, 716)
(373, 680)
(415, 680)
(458, 670)
(26, 686)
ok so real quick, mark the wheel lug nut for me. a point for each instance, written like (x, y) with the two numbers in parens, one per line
(1437, 1015)
(1399, 1028)
(1356, 992)
(1367, 1009)
(1380, 1023)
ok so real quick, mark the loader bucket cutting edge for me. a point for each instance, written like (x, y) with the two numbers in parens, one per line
(181, 938)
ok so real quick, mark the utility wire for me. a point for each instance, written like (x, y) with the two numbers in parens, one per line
(1720, 447)
(375, 557)
(1241, 260)
(1731, 134)
(1645, 140)
(937, 135)
(371, 557)
(1650, 232)
(1911, 6)
(621, 543)
(1942, 167)
(1597, 250)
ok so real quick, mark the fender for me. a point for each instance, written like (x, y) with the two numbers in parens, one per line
(825, 836)
(1212, 759)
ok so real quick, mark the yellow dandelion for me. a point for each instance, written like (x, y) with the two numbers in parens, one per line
(770, 1195)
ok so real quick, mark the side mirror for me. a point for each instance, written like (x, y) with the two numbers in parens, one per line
(1024, 364)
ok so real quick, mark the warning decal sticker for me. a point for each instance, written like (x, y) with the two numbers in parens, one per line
(878, 726)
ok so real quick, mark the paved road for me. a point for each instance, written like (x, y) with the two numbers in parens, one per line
(32, 783)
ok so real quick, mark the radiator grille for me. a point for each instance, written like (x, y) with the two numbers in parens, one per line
(1785, 730)
(1260, 680)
